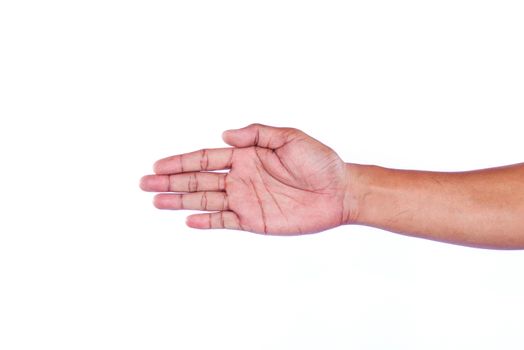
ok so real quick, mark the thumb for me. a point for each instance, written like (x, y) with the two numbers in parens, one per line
(259, 135)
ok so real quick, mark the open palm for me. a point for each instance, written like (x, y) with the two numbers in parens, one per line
(280, 181)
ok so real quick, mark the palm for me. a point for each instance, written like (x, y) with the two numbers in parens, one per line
(291, 190)
(281, 181)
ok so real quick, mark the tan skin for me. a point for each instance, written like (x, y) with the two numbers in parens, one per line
(283, 182)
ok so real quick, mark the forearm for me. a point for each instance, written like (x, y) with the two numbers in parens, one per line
(483, 208)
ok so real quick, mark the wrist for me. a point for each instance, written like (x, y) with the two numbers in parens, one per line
(353, 193)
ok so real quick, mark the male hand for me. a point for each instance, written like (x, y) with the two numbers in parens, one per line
(280, 181)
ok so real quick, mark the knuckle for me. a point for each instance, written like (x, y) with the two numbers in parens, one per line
(292, 131)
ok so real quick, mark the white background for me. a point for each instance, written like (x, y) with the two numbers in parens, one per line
(93, 92)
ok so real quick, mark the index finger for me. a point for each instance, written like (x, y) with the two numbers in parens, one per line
(202, 160)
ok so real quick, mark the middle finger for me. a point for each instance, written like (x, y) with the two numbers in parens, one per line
(187, 182)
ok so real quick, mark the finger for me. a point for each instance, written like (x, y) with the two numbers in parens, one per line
(192, 201)
(203, 160)
(186, 182)
(222, 219)
(259, 135)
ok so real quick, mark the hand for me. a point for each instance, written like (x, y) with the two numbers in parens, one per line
(281, 181)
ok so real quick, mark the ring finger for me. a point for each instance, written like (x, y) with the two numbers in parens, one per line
(208, 201)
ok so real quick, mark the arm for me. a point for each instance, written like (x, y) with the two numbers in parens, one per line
(483, 208)
(281, 181)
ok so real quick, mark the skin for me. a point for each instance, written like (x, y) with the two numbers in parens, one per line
(281, 181)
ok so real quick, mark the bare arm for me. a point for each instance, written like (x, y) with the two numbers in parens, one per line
(483, 208)
(281, 181)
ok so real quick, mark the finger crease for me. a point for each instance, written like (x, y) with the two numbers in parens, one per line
(196, 183)
(203, 201)
(225, 204)
(204, 160)
(169, 179)
(224, 183)
(230, 161)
